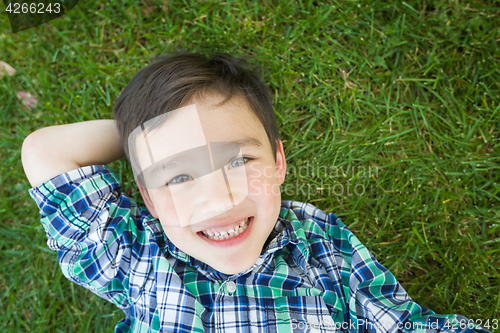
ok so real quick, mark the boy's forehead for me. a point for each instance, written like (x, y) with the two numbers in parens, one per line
(167, 135)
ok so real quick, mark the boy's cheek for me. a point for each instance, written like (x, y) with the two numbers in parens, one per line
(263, 187)
(263, 180)
(258, 170)
(163, 204)
(254, 188)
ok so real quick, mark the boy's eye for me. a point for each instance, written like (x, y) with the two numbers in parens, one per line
(239, 161)
(180, 179)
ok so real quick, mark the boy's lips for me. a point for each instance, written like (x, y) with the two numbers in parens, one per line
(232, 236)
(230, 231)
(223, 225)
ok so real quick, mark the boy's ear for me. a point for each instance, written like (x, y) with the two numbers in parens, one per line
(147, 200)
(280, 162)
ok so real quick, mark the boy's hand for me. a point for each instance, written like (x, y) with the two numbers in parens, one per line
(55, 150)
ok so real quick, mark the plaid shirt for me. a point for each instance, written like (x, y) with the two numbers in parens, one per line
(314, 275)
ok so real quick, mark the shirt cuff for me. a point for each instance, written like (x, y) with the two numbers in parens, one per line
(77, 197)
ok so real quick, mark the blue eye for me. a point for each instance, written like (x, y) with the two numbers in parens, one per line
(238, 162)
(180, 179)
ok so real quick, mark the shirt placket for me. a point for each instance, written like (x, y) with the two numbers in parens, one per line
(226, 289)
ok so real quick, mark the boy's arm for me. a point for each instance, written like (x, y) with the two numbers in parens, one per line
(55, 150)
(96, 229)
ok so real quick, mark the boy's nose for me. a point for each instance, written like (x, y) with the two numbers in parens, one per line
(215, 196)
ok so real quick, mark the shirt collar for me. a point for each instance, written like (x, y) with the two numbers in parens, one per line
(288, 231)
(295, 236)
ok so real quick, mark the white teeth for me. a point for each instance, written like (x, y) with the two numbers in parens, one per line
(235, 231)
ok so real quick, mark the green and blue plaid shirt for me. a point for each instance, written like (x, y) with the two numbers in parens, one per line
(314, 276)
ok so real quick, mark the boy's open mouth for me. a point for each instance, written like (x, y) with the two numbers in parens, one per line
(228, 232)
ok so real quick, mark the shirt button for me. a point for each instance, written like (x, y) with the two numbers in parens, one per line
(231, 287)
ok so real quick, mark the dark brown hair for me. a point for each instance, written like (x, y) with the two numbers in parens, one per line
(171, 81)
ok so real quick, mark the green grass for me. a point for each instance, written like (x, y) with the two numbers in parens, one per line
(395, 103)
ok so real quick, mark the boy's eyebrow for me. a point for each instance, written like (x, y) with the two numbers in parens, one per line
(170, 163)
(157, 168)
(247, 141)
(156, 171)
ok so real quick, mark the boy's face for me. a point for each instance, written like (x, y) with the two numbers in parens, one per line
(210, 177)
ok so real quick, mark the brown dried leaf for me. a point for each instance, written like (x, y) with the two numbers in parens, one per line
(5, 68)
(28, 100)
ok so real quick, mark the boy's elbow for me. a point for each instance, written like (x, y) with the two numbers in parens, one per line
(30, 157)
(43, 155)
(28, 144)
(28, 151)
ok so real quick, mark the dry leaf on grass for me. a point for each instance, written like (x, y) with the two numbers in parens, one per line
(28, 100)
(6, 68)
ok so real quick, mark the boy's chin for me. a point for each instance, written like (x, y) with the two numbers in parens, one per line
(236, 267)
(232, 270)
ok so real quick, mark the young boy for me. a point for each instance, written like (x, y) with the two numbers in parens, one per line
(215, 249)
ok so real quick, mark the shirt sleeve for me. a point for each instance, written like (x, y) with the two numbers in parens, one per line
(376, 300)
(96, 232)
